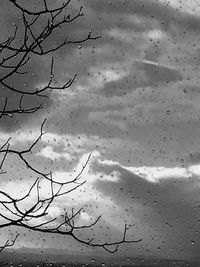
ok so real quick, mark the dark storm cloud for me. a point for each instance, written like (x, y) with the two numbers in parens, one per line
(73, 114)
(37, 70)
(142, 74)
(124, 85)
(170, 206)
(29, 82)
(38, 67)
(104, 16)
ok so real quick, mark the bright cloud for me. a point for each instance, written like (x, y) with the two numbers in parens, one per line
(54, 211)
(87, 193)
(156, 174)
(85, 216)
(49, 153)
(155, 34)
(88, 174)
(195, 169)
(114, 177)
(99, 76)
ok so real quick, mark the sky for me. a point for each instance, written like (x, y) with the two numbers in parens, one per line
(135, 106)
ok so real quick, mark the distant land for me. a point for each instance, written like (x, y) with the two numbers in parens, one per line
(25, 257)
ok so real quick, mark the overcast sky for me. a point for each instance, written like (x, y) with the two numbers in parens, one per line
(136, 107)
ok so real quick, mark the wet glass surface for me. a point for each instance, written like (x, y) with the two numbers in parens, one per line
(99, 133)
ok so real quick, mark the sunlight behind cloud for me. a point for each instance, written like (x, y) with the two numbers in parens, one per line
(85, 216)
(155, 174)
(195, 169)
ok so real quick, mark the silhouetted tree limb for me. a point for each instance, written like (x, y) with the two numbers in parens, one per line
(19, 110)
(14, 57)
(8, 243)
(5, 150)
(14, 215)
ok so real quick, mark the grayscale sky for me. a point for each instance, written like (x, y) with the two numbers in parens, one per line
(135, 106)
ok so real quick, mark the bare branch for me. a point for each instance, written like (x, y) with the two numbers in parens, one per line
(40, 208)
(44, 11)
(15, 56)
(32, 210)
(8, 243)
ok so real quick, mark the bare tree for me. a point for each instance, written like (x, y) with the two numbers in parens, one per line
(14, 55)
(14, 58)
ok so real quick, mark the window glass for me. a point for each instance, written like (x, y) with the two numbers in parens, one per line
(99, 133)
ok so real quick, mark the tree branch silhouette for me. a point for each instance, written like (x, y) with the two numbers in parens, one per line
(14, 55)
(36, 218)
(14, 59)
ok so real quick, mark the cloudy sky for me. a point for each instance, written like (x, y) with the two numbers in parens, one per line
(135, 106)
